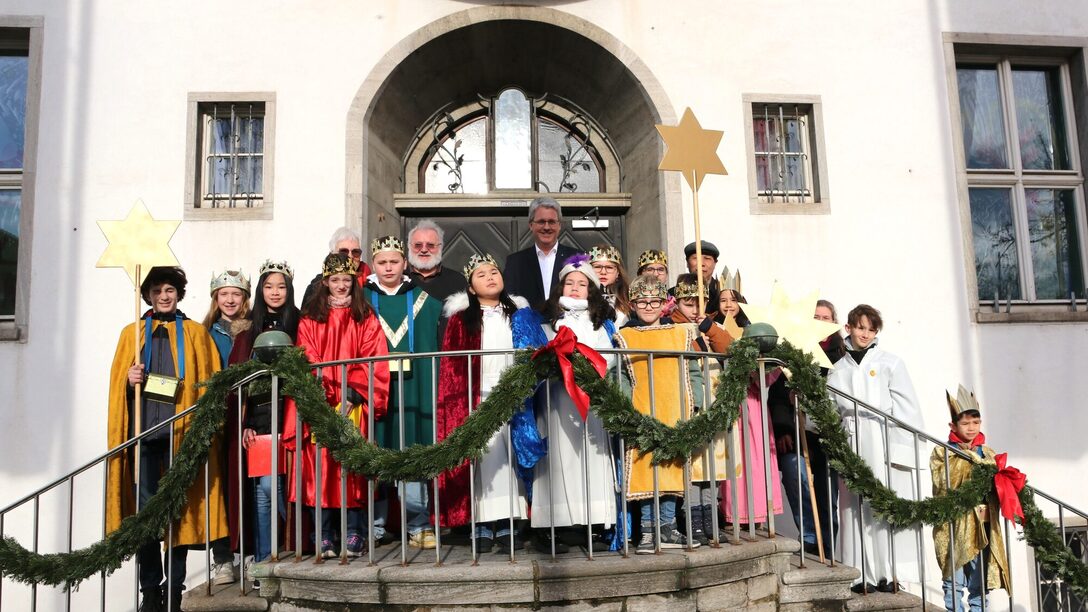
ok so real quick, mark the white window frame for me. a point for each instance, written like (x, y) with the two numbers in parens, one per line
(817, 199)
(197, 152)
(1004, 52)
(15, 328)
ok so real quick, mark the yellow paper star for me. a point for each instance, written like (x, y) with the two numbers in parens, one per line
(691, 150)
(137, 239)
(735, 331)
(793, 321)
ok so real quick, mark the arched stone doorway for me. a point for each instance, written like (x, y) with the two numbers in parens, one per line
(485, 49)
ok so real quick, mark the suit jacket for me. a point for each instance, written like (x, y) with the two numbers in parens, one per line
(522, 273)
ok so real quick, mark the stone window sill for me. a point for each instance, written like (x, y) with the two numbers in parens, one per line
(1029, 314)
(9, 332)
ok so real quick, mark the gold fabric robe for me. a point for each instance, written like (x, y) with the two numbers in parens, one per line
(972, 533)
(670, 389)
(201, 361)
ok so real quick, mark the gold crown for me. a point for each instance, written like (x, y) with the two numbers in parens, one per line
(335, 263)
(610, 253)
(652, 257)
(476, 261)
(230, 278)
(386, 243)
(276, 266)
(688, 290)
(731, 281)
(647, 287)
(964, 401)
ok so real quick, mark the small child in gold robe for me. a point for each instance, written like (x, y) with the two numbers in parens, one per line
(975, 548)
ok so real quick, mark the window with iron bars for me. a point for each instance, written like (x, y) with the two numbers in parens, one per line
(783, 145)
(232, 154)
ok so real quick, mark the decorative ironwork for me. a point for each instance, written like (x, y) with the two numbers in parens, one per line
(580, 151)
(443, 130)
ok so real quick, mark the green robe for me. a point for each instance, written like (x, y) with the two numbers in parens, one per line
(417, 391)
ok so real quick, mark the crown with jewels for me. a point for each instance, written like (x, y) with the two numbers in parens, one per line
(964, 401)
(652, 257)
(688, 290)
(386, 243)
(335, 263)
(731, 281)
(647, 287)
(477, 260)
(230, 278)
(610, 253)
(276, 266)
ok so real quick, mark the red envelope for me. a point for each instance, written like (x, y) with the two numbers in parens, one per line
(259, 457)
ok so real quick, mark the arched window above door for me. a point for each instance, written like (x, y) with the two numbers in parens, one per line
(512, 142)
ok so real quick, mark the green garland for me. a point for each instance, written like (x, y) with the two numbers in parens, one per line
(608, 402)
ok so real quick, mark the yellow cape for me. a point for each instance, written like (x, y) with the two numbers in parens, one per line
(201, 361)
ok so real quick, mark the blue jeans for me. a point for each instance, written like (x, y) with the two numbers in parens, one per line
(829, 506)
(416, 497)
(154, 461)
(970, 575)
(667, 505)
(262, 502)
(487, 530)
(330, 523)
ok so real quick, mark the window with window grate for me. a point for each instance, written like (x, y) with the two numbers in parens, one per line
(786, 172)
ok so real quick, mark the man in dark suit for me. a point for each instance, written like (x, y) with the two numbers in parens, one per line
(532, 272)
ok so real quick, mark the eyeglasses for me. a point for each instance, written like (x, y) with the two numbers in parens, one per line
(546, 222)
(648, 304)
(655, 269)
(351, 252)
(431, 246)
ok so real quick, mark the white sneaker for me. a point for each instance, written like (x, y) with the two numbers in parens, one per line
(224, 573)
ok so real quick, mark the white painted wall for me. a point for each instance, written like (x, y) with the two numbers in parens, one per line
(115, 79)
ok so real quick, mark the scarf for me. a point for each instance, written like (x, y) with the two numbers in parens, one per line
(335, 302)
(979, 440)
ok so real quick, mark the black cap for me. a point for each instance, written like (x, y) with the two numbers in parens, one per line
(708, 249)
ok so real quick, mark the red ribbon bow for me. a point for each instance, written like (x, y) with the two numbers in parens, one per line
(1008, 481)
(563, 345)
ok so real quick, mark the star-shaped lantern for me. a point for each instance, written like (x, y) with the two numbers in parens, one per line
(793, 321)
(691, 150)
(137, 239)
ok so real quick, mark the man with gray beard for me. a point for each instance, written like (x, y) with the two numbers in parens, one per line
(425, 262)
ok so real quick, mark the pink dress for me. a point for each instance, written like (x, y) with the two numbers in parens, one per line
(749, 446)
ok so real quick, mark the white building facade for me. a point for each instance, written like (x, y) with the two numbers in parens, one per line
(933, 160)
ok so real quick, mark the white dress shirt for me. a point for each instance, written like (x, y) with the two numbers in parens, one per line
(547, 263)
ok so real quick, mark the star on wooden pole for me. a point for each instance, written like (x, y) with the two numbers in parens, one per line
(793, 321)
(693, 151)
(137, 240)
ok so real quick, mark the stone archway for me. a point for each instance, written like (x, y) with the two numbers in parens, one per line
(486, 48)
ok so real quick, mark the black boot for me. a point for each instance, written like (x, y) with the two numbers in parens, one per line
(708, 522)
(151, 600)
(174, 599)
(698, 533)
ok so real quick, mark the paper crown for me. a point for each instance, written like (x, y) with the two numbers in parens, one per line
(963, 402)
(477, 260)
(579, 263)
(610, 253)
(647, 287)
(688, 290)
(335, 263)
(652, 257)
(731, 281)
(230, 278)
(276, 266)
(386, 243)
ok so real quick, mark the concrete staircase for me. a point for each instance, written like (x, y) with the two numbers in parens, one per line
(758, 575)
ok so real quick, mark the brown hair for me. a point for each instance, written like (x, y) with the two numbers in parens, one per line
(317, 307)
(864, 310)
(828, 305)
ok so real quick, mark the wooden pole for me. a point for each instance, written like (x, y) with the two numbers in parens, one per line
(811, 489)
(698, 241)
(137, 395)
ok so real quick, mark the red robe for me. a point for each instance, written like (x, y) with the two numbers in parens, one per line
(452, 410)
(337, 339)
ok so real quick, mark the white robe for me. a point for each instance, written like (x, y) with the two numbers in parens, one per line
(493, 474)
(559, 486)
(880, 380)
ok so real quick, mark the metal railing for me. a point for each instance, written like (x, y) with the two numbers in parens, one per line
(600, 525)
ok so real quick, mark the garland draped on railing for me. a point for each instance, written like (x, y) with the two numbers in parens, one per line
(468, 441)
